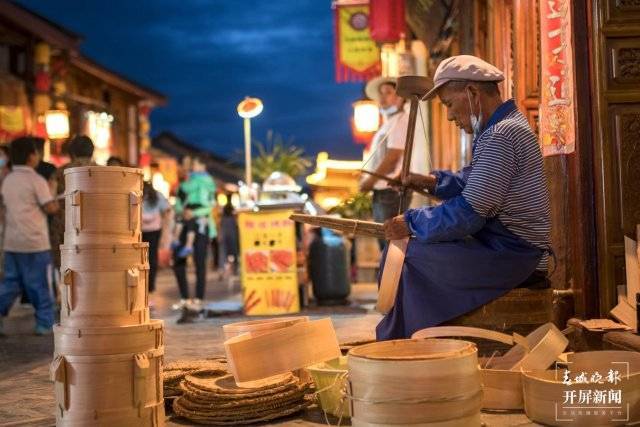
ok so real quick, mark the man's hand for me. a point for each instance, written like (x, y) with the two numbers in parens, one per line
(396, 228)
(420, 182)
(366, 184)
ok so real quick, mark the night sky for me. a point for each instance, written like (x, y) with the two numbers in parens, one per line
(206, 55)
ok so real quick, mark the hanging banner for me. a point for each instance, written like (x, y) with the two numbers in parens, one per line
(13, 122)
(357, 55)
(268, 267)
(557, 116)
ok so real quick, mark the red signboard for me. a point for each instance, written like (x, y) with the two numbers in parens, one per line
(557, 116)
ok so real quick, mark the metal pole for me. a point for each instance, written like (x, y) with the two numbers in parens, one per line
(247, 152)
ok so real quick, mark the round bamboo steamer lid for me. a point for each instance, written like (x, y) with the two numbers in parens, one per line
(88, 387)
(102, 217)
(257, 327)
(544, 391)
(253, 358)
(114, 340)
(103, 179)
(150, 416)
(433, 382)
(104, 285)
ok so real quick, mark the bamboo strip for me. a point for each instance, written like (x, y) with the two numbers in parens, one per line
(502, 381)
(108, 340)
(415, 382)
(260, 326)
(354, 227)
(632, 265)
(391, 273)
(398, 183)
(545, 392)
(253, 358)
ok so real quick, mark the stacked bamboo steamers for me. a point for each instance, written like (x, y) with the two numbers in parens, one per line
(108, 354)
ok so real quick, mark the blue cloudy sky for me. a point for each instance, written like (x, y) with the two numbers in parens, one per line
(206, 55)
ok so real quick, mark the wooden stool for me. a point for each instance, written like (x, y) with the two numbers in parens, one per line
(521, 310)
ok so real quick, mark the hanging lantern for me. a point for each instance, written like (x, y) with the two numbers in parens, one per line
(42, 54)
(365, 121)
(387, 20)
(57, 124)
(366, 116)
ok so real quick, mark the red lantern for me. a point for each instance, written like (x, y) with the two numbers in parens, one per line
(42, 81)
(386, 20)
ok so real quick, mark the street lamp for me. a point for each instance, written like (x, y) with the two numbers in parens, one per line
(248, 109)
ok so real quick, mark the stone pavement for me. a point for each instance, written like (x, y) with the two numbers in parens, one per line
(26, 394)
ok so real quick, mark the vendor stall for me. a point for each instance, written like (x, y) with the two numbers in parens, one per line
(268, 248)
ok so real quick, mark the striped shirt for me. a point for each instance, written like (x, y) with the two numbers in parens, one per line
(507, 181)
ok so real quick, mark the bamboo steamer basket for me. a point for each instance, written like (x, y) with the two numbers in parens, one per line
(152, 416)
(104, 285)
(433, 382)
(90, 388)
(103, 205)
(257, 327)
(501, 375)
(544, 391)
(330, 379)
(113, 340)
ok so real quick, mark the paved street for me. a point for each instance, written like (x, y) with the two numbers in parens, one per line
(24, 358)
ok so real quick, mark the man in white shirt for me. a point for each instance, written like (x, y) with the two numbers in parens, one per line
(387, 149)
(27, 201)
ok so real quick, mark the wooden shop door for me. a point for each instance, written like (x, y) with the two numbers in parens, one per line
(615, 54)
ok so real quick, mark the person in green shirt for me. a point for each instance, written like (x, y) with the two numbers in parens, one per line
(197, 195)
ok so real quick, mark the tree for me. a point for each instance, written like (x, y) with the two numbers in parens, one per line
(278, 155)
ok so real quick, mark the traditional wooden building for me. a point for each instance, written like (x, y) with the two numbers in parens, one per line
(43, 71)
(595, 201)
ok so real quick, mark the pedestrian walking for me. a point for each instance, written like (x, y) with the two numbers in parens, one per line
(28, 201)
(155, 209)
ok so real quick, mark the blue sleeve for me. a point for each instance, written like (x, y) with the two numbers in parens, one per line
(449, 184)
(452, 220)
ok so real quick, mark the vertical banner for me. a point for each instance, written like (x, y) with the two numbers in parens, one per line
(268, 266)
(557, 116)
(357, 55)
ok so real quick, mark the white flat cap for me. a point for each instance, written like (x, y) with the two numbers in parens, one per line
(463, 68)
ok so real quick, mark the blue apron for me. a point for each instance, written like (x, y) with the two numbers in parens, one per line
(443, 280)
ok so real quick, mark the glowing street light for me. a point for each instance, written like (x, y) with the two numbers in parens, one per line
(248, 109)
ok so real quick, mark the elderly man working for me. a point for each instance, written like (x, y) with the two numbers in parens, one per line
(491, 233)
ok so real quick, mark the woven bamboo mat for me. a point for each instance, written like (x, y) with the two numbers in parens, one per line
(209, 398)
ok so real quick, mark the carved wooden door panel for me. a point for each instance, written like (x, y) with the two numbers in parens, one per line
(616, 67)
